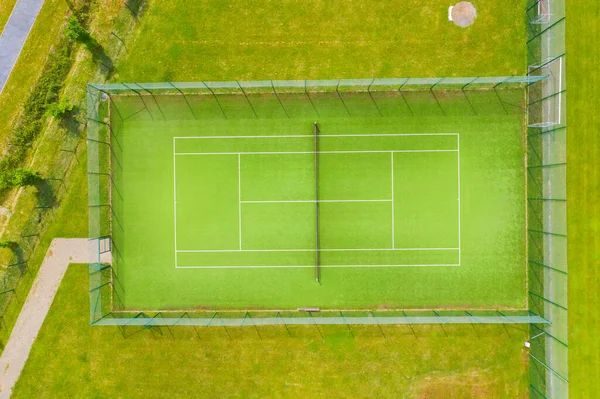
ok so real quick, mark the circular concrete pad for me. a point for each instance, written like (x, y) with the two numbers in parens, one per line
(463, 14)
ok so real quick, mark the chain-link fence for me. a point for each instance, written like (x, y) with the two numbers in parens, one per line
(110, 105)
(547, 198)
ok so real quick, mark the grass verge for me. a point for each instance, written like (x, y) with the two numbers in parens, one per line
(321, 39)
(6, 7)
(583, 184)
(457, 361)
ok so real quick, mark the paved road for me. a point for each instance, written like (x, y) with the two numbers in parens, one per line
(14, 35)
(62, 252)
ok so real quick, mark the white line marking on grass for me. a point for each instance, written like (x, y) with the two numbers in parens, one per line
(311, 201)
(310, 136)
(320, 250)
(307, 152)
(175, 202)
(393, 217)
(239, 200)
(312, 267)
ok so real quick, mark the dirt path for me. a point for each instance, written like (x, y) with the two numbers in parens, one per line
(61, 253)
(15, 34)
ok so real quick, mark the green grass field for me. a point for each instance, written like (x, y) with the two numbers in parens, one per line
(584, 198)
(321, 39)
(180, 41)
(72, 359)
(414, 211)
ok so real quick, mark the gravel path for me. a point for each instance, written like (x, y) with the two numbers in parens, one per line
(14, 35)
(62, 252)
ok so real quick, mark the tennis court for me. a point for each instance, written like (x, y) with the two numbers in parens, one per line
(423, 211)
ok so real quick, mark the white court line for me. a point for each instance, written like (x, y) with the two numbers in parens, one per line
(310, 135)
(311, 201)
(307, 152)
(175, 202)
(311, 152)
(239, 199)
(312, 267)
(393, 217)
(320, 250)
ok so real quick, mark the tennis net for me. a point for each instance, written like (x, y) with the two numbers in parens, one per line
(316, 168)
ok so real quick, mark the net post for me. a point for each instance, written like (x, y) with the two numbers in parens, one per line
(498, 95)
(277, 317)
(377, 322)
(316, 325)
(435, 97)
(340, 97)
(372, 98)
(347, 325)
(442, 322)
(504, 81)
(469, 83)
(185, 98)
(404, 98)
(107, 92)
(247, 99)
(475, 321)
(119, 38)
(310, 99)
(279, 99)
(217, 314)
(154, 98)
(409, 322)
(141, 98)
(247, 315)
(216, 99)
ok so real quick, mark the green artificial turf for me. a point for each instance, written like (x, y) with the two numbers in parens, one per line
(583, 184)
(488, 271)
(322, 39)
(72, 359)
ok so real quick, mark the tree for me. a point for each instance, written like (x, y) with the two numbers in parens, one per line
(58, 110)
(76, 32)
(19, 177)
(9, 244)
(26, 177)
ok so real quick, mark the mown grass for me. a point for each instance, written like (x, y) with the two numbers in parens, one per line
(6, 7)
(320, 39)
(72, 359)
(583, 185)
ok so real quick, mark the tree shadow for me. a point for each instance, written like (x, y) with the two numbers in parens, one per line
(136, 7)
(106, 63)
(45, 195)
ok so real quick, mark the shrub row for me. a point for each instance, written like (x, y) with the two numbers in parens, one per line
(44, 93)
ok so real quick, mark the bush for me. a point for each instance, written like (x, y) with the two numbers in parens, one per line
(42, 96)
(58, 110)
